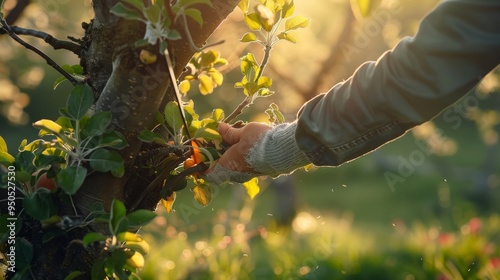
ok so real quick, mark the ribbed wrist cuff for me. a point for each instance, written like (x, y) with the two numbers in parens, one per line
(277, 152)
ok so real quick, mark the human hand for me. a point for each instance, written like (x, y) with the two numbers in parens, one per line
(232, 165)
(241, 140)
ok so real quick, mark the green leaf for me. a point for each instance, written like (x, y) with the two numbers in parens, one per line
(122, 11)
(25, 161)
(118, 212)
(186, 3)
(195, 14)
(207, 134)
(296, 22)
(58, 81)
(71, 179)
(216, 76)
(44, 160)
(248, 37)
(77, 69)
(140, 218)
(98, 123)
(24, 253)
(173, 116)
(40, 205)
(68, 69)
(288, 37)
(74, 275)
(97, 271)
(172, 184)
(173, 35)
(79, 101)
(202, 193)
(93, 237)
(113, 139)
(65, 123)
(253, 21)
(252, 187)
(104, 160)
(148, 136)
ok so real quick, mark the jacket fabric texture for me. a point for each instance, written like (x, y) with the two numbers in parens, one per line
(456, 45)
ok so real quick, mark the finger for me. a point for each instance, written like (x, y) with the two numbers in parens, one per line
(228, 160)
(229, 134)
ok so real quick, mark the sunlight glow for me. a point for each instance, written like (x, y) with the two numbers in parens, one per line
(304, 223)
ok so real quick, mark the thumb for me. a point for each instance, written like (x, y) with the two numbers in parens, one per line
(229, 134)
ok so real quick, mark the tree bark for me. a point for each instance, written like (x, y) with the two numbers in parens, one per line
(133, 92)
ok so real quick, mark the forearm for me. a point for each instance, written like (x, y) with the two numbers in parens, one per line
(457, 44)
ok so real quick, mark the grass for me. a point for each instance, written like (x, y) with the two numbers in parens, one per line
(351, 224)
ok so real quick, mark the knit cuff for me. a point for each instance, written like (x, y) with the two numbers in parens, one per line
(277, 152)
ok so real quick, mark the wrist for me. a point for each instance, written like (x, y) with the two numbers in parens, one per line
(277, 152)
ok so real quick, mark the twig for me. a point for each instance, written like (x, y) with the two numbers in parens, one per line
(55, 43)
(164, 175)
(5, 27)
(176, 90)
(249, 99)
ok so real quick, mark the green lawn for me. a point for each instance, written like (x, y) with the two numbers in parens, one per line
(371, 231)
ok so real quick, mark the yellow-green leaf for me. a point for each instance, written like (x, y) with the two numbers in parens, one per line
(286, 36)
(243, 5)
(136, 260)
(265, 82)
(252, 187)
(363, 7)
(220, 62)
(206, 86)
(218, 115)
(248, 37)
(266, 16)
(169, 202)
(216, 76)
(184, 87)
(3, 145)
(253, 21)
(48, 126)
(6, 158)
(296, 22)
(202, 193)
(287, 9)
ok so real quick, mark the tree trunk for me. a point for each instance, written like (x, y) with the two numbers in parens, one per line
(133, 92)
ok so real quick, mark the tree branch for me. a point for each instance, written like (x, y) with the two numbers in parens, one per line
(5, 27)
(16, 12)
(55, 43)
(249, 99)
